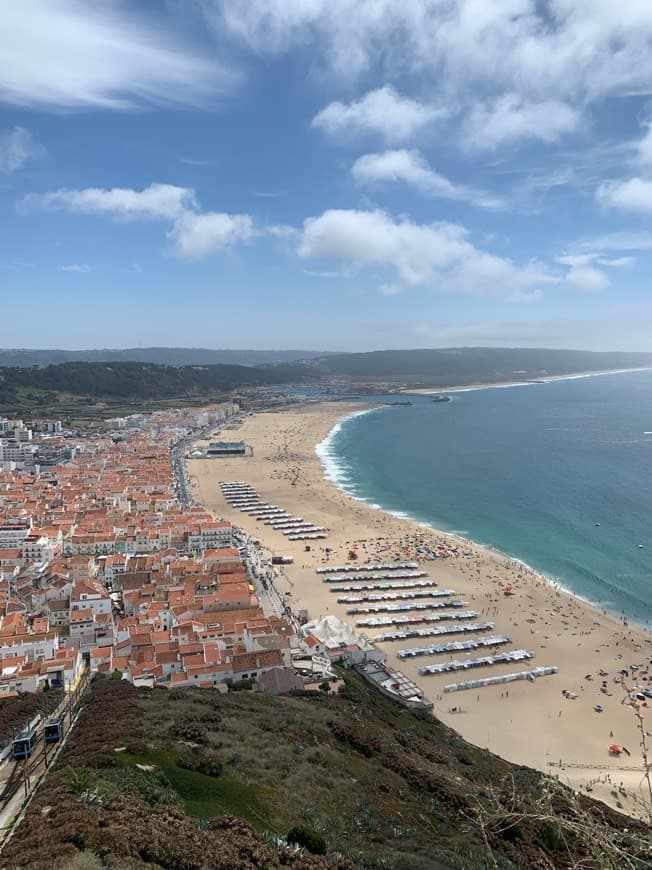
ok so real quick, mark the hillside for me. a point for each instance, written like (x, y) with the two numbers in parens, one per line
(197, 779)
(471, 365)
(38, 389)
(174, 356)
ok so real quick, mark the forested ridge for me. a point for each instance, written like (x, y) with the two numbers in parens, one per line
(141, 380)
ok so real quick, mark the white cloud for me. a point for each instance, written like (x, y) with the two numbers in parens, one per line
(156, 202)
(634, 194)
(617, 262)
(79, 54)
(575, 260)
(76, 267)
(437, 254)
(619, 241)
(511, 119)
(643, 148)
(17, 146)
(373, 238)
(344, 34)
(587, 278)
(323, 274)
(281, 231)
(569, 50)
(411, 168)
(406, 166)
(487, 274)
(196, 235)
(383, 111)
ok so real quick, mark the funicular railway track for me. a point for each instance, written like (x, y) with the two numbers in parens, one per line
(21, 775)
(11, 785)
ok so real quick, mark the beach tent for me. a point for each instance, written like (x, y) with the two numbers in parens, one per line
(615, 749)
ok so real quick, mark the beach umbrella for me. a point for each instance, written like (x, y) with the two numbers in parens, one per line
(615, 749)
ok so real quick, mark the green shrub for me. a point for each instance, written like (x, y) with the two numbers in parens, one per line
(309, 839)
(80, 781)
(240, 685)
(551, 840)
(209, 765)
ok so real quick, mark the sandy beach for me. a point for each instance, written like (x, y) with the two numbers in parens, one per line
(526, 722)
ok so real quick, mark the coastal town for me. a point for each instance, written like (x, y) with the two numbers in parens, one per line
(108, 566)
(203, 548)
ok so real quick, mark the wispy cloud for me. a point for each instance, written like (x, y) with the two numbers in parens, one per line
(156, 202)
(326, 274)
(511, 118)
(75, 267)
(573, 51)
(411, 168)
(622, 240)
(76, 54)
(282, 231)
(17, 147)
(190, 161)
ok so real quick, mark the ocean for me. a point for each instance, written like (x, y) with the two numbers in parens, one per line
(556, 474)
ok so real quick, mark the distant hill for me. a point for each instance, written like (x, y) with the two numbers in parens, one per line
(468, 365)
(50, 389)
(174, 356)
(437, 367)
(66, 387)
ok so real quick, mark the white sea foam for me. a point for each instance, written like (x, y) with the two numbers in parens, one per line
(335, 469)
(538, 382)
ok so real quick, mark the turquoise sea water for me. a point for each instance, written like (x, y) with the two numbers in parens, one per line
(529, 470)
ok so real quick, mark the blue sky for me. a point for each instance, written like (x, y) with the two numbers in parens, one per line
(326, 174)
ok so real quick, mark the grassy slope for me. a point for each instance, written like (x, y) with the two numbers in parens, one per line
(383, 787)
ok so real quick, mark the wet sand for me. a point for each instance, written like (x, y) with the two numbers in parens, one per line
(527, 723)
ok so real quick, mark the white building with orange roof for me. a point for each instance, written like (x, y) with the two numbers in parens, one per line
(91, 594)
(210, 535)
(82, 629)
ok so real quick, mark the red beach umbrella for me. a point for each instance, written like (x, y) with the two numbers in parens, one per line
(615, 749)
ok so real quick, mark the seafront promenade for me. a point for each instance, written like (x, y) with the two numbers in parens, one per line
(548, 722)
